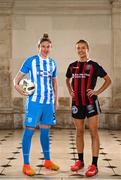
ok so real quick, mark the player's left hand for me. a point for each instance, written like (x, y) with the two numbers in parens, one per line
(91, 92)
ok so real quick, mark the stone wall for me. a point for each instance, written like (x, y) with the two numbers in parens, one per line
(22, 23)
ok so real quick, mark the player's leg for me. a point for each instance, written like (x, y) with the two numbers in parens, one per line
(93, 127)
(44, 139)
(79, 125)
(26, 145)
(31, 117)
(47, 119)
(78, 113)
(93, 110)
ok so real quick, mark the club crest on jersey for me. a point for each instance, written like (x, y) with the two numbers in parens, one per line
(29, 119)
(88, 67)
(74, 109)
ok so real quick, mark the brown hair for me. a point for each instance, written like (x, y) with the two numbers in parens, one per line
(84, 42)
(44, 38)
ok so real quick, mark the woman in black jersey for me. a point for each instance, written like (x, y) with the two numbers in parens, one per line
(81, 78)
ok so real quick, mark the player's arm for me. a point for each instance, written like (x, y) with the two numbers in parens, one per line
(70, 89)
(107, 82)
(16, 81)
(55, 88)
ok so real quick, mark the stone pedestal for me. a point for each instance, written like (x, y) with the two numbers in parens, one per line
(6, 118)
(110, 118)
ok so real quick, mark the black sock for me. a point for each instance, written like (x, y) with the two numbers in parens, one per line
(94, 160)
(80, 156)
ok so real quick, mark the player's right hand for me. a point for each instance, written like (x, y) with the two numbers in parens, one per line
(20, 90)
(72, 94)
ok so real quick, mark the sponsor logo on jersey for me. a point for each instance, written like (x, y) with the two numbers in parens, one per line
(80, 75)
(90, 108)
(76, 67)
(44, 73)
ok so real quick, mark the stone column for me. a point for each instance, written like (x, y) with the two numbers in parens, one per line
(112, 117)
(6, 115)
(5, 55)
(116, 55)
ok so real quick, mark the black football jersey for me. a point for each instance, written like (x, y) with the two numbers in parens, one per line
(84, 76)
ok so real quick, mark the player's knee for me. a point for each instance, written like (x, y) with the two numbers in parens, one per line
(79, 131)
(44, 126)
(94, 133)
(30, 128)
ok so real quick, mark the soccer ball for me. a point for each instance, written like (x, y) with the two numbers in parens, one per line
(27, 85)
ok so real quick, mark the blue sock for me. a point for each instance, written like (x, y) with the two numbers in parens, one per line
(44, 140)
(26, 144)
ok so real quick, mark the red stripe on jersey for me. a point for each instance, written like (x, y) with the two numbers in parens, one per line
(76, 84)
(83, 85)
(89, 83)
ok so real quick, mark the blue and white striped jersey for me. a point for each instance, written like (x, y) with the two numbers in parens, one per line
(41, 72)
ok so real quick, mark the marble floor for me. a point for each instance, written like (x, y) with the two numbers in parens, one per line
(63, 152)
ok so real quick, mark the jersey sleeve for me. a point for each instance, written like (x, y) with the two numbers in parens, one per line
(101, 72)
(69, 72)
(25, 67)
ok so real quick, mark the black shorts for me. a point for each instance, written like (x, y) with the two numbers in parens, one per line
(81, 112)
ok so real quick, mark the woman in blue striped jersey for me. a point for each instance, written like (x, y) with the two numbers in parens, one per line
(41, 105)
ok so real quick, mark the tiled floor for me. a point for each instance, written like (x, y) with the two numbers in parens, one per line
(63, 152)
